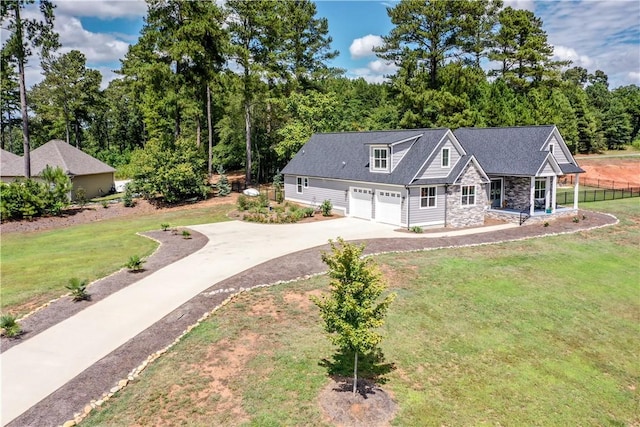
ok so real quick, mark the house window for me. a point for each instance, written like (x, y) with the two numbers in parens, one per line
(445, 157)
(380, 159)
(302, 182)
(541, 189)
(468, 195)
(551, 148)
(428, 197)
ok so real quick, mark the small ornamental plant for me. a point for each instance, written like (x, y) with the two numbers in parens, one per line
(9, 325)
(326, 208)
(223, 186)
(78, 289)
(165, 226)
(186, 234)
(135, 263)
(416, 229)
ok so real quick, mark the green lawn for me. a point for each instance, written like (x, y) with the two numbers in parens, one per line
(37, 266)
(540, 332)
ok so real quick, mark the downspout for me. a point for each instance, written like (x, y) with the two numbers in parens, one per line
(408, 206)
(446, 193)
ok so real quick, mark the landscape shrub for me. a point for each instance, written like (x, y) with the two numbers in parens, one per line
(186, 234)
(243, 203)
(165, 226)
(28, 198)
(277, 186)
(10, 326)
(223, 186)
(326, 208)
(127, 198)
(308, 212)
(134, 263)
(78, 289)
(416, 229)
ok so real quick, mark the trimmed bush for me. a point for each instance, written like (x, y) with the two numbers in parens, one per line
(134, 263)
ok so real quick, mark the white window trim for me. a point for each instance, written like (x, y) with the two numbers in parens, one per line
(302, 182)
(540, 188)
(435, 198)
(442, 158)
(372, 163)
(463, 196)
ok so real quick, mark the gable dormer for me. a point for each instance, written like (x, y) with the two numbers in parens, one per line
(385, 157)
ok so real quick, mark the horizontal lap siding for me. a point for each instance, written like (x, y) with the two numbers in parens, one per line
(318, 191)
(558, 152)
(426, 216)
(398, 153)
(434, 169)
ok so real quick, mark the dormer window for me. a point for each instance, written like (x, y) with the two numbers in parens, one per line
(379, 159)
(551, 148)
(445, 158)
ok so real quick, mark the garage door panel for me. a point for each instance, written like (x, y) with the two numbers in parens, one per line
(388, 207)
(360, 203)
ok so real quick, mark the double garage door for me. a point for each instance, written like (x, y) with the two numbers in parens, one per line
(388, 205)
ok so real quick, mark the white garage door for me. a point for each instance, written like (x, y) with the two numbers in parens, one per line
(360, 202)
(388, 207)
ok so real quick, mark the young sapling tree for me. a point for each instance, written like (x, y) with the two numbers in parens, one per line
(351, 312)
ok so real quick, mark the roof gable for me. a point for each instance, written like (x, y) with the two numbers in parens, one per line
(507, 151)
(57, 153)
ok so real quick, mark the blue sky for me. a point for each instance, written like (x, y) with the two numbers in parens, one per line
(594, 34)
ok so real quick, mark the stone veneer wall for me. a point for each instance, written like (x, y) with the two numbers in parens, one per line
(515, 218)
(466, 216)
(517, 192)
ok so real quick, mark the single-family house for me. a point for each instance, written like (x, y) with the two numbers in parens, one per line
(434, 177)
(85, 171)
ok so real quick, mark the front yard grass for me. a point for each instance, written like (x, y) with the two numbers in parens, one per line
(37, 266)
(539, 332)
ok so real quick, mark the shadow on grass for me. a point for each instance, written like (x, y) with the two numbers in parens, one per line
(372, 370)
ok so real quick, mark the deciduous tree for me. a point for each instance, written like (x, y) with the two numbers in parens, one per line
(352, 312)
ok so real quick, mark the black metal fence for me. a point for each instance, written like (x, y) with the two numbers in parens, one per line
(597, 195)
(598, 183)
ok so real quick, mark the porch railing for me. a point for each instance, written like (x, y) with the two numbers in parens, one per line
(525, 214)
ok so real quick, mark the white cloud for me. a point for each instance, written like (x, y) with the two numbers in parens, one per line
(363, 47)
(634, 76)
(569, 54)
(375, 72)
(102, 9)
(97, 47)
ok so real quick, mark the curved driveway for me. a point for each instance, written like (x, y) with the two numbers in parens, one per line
(39, 366)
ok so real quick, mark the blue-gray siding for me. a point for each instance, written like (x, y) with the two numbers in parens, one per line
(434, 168)
(426, 216)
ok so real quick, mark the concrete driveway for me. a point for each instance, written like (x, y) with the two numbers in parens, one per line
(37, 367)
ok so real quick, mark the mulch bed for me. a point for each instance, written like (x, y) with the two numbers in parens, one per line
(103, 375)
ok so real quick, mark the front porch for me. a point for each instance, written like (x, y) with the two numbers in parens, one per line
(520, 216)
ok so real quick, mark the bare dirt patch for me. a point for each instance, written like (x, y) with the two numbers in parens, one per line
(616, 169)
(371, 406)
(301, 301)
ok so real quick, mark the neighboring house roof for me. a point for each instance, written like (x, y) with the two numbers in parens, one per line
(346, 155)
(57, 153)
(7, 157)
(510, 151)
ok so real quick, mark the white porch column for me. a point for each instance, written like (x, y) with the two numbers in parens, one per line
(532, 188)
(554, 187)
(547, 193)
(576, 187)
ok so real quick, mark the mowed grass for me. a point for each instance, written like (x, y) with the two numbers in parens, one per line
(36, 266)
(540, 332)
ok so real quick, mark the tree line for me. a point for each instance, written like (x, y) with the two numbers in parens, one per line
(246, 83)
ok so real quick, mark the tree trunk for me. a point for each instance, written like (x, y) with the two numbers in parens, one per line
(209, 129)
(198, 131)
(247, 127)
(23, 97)
(355, 373)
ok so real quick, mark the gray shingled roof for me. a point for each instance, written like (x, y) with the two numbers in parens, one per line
(345, 155)
(509, 151)
(57, 153)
